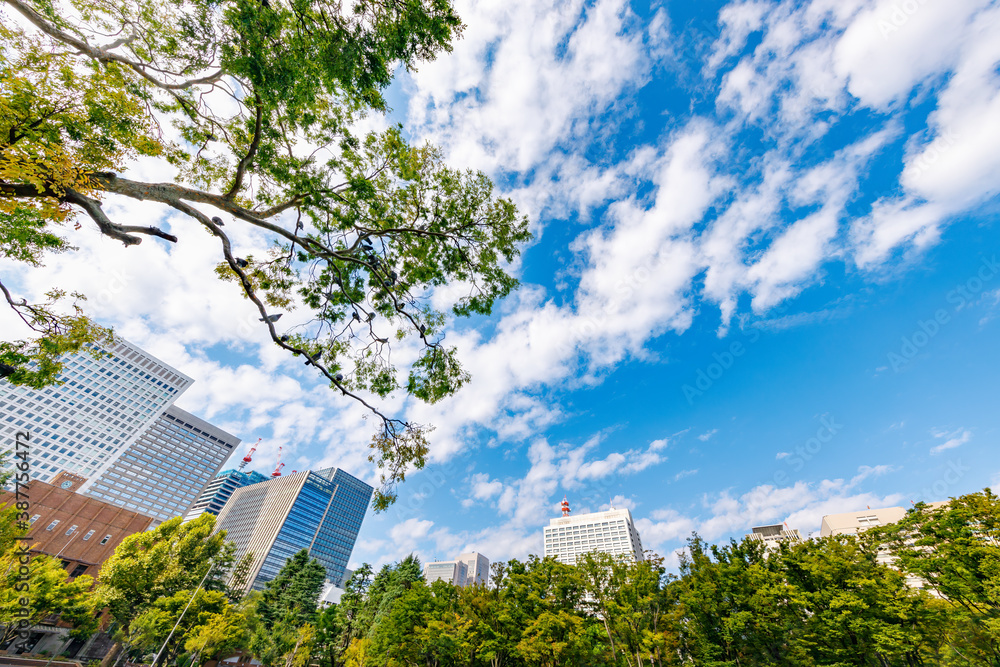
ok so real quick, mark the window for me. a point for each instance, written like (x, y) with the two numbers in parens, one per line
(78, 570)
(34, 518)
(53, 524)
(71, 530)
(88, 535)
(105, 540)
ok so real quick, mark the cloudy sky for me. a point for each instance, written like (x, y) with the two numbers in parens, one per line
(765, 283)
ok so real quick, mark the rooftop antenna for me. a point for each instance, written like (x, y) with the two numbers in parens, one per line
(247, 458)
(565, 506)
(611, 503)
(277, 468)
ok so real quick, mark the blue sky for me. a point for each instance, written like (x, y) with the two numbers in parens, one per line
(764, 284)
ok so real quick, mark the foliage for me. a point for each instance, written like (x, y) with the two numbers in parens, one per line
(254, 104)
(168, 561)
(38, 585)
(286, 612)
(837, 601)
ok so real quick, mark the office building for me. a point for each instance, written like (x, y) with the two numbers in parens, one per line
(164, 470)
(771, 536)
(318, 510)
(477, 568)
(81, 530)
(467, 569)
(218, 491)
(612, 532)
(852, 523)
(455, 572)
(84, 424)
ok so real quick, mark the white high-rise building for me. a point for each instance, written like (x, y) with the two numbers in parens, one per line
(612, 532)
(85, 424)
(166, 468)
(477, 568)
(468, 569)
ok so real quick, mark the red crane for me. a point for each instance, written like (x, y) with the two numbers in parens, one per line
(247, 458)
(277, 468)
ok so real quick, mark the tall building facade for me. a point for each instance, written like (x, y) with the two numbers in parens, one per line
(164, 470)
(455, 572)
(613, 532)
(318, 510)
(84, 424)
(218, 491)
(468, 569)
(477, 567)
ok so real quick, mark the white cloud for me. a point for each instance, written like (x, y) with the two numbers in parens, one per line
(708, 434)
(951, 440)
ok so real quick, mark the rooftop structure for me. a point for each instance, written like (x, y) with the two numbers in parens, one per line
(771, 536)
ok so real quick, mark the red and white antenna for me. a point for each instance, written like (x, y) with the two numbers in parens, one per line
(277, 468)
(247, 458)
(565, 506)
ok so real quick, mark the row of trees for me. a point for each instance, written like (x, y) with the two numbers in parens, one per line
(828, 601)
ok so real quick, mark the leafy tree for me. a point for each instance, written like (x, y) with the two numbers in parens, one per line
(286, 611)
(734, 607)
(954, 550)
(294, 593)
(161, 563)
(155, 624)
(254, 104)
(238, 580)
(855, 610)
(42, 582)
(219, 635)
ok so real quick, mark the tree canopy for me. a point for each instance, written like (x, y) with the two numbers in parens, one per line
(254, 104)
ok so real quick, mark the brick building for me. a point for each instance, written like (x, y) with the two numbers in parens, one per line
(80, 530)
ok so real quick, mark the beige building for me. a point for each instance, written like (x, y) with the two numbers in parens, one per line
(771, 536)
(852, 523)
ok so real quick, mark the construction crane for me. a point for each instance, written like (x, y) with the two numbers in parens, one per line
(277, 468)
(247, 458)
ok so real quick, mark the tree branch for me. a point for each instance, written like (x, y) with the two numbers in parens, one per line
(104, 54)
(251, 152)
(122, 233)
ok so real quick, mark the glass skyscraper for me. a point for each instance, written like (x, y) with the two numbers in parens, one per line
(218, 491)
(83, 425)
(318, 510)
(166, 468)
